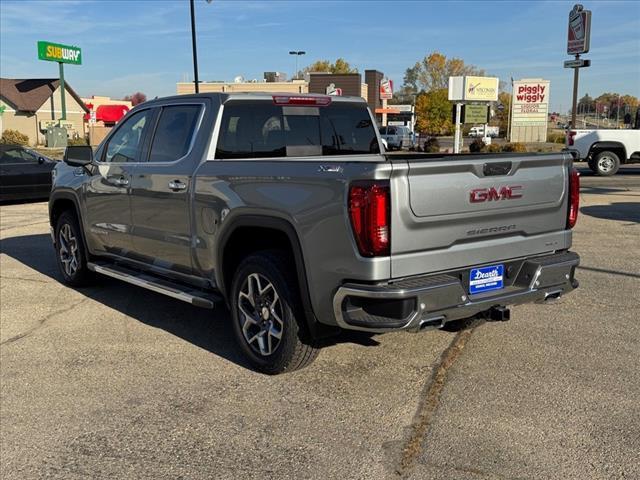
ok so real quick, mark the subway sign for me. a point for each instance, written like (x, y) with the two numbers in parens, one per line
(55, 52)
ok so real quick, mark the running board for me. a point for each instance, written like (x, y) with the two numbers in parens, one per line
(155, 284)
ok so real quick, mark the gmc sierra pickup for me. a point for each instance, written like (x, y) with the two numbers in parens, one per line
(285, 208)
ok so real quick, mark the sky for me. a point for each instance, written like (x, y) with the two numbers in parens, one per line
(130, 46)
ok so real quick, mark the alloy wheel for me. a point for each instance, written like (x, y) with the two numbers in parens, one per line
(68, 250)
(260, 314)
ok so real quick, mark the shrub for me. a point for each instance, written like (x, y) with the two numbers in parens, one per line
(493, 148)
(77, 141)
(477, 146)
(431, 145)
(556, 137)
(514, 147)
(14, 137)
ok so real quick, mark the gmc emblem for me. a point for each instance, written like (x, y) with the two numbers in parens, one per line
(478, 195)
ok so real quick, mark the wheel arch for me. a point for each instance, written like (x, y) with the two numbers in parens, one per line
(279, 230)
(616, 147)
(60, 202)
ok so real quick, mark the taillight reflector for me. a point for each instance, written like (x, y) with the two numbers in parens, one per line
(574, 197)
(369, 210)
(570, 135)
(293, 100)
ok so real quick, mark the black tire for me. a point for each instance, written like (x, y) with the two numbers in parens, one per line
(78, 276)
(293, 349)
(606, 163)
(592, 165)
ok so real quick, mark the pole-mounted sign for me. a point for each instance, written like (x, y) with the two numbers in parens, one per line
(579, 35)
(578, 42)
(56, 52)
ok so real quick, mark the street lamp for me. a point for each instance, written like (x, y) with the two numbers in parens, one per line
(193, 44)
(297, 54)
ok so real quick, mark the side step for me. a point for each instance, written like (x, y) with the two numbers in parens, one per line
(166, 287)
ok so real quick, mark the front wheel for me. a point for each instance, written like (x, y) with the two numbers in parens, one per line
(70, 252)
(267, 314)
(607, 163)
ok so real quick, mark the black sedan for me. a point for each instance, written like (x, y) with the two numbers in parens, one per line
(24, 174)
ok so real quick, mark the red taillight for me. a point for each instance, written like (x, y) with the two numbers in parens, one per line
(293, 100)
(369, 207)
(574, 197)
(570, 135)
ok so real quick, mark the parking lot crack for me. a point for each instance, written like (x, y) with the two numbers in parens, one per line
(36, 280)
(41, 323)
(431, 399)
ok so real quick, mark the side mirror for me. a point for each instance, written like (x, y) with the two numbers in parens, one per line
(40, 160)
(78, 155)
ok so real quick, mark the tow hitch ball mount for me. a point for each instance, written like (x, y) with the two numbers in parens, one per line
(498, 314)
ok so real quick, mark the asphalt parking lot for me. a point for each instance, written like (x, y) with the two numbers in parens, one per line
(114, 381)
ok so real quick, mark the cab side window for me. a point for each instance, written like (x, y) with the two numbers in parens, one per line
(174, 133)
(127, 143)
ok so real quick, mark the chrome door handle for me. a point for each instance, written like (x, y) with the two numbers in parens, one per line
(177, 185)
(121, 181)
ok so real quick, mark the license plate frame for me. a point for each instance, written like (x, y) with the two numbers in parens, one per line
(486, 279)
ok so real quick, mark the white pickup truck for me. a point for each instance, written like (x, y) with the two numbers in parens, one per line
(605, 150)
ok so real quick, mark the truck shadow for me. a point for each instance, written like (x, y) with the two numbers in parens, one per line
(621, 211)
(210, 330)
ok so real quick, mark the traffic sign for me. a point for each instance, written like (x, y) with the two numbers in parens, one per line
(578, 63)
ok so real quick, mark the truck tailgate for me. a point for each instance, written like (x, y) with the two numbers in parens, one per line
(452, 212)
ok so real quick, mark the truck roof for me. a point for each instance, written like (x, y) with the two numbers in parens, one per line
(223, 97)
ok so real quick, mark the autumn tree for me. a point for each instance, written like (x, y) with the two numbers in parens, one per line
(433, 112)
(501, 117)
(434, 70)
(136, 98)
(339, 66)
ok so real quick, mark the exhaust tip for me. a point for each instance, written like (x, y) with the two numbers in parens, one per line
(436, 322)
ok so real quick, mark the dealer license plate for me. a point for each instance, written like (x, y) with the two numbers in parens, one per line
(486, 279)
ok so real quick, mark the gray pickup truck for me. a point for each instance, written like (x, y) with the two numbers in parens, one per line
(285, 208)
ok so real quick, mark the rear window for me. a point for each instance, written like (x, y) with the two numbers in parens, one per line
(265, 130)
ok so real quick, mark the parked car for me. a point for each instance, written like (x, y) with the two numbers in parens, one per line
(397, 137)
(476, 132)
(605, 149)
(285, 208)
(24, 174)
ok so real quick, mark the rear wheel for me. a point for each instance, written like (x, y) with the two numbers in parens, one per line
(267, 314)
(606, 163)
(70, 252)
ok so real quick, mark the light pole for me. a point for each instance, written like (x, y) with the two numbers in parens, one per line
(297, 53)
(193, 45)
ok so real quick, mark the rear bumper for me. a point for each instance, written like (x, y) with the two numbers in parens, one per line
(416, 303)
(575, 154)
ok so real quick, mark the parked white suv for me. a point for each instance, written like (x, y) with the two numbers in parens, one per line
(604, 150)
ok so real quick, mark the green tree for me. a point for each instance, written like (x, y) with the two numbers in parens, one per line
(434, 70)
(433, 112)
(586, 104)
(339, 66)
